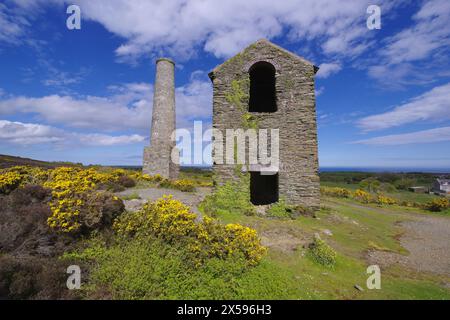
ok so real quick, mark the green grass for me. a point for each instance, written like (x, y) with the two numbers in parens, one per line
(131, 196)
(400, 195)
(356, 228)
(154, 270)
(199, 176)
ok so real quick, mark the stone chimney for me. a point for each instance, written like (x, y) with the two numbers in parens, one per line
(157, 157)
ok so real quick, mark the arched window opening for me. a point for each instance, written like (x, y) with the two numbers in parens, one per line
(262, 88)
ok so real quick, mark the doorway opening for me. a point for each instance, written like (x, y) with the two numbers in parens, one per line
(263, 188)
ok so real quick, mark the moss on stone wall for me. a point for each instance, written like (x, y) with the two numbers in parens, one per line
(239, 97)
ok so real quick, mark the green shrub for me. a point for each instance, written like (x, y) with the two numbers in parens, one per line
(370, 184)
(233, 197)
(322, 253)
(280, 210)
(144, 268)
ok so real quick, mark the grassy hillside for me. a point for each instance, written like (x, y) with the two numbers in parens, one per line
(11, 161)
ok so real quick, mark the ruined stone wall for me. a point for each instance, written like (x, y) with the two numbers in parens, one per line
(295, 118)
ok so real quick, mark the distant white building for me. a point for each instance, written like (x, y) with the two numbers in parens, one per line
(441, 186)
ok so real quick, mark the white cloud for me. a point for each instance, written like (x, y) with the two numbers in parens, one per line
(127, 108)
(430, 31)
(424, 136)
(11, 26)
(31, 133)
(55, 77)
(107, 140)
(414, 55)
(180, 28)
(433, 105)
(194, 100)
(320, 91)
(328, 69)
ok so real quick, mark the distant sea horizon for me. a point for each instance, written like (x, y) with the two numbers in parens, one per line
(360, 169)
(384, 169)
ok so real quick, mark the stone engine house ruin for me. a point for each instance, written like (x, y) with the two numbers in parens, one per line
(273, 88)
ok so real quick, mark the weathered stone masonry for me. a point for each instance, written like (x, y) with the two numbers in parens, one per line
(298, 180)
(157, 157)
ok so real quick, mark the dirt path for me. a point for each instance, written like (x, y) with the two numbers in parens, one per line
(427, 239)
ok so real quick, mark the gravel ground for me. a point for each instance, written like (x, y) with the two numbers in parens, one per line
(427, 238)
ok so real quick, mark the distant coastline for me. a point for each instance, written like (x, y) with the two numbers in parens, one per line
(384, 169)
(8, 161)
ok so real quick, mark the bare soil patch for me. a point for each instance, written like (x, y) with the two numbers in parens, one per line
(427, 239)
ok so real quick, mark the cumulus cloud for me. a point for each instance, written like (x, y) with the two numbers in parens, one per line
(129, 107)
(328, 69)
(424, 136)
(223, 28)
(32, 133)
(433, 105)
(194, 100)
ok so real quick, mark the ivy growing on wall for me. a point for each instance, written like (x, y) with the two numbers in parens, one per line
(238, 96)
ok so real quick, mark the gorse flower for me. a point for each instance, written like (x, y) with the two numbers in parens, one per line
(9, 181)
(173, 222)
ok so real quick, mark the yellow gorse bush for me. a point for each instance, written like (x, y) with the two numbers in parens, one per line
(172, 221)
(68, 185)
(335, 192)
(384, 200)
(359, 195)
(166, 218)
(362, 196)
(437, 204)
(184, 185)
(14, 177)
(9, 180)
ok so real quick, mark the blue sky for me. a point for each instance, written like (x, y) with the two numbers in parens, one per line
(383, 96)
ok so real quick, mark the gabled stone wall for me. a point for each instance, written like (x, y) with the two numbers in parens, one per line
(295, 118)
